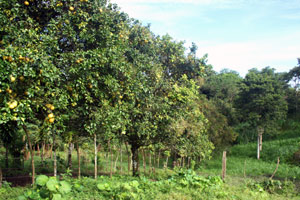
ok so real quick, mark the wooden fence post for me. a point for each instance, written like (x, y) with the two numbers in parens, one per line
(258, 147)
(224, 166)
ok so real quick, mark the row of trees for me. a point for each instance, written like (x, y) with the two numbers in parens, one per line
(83, 69)
(78, 69)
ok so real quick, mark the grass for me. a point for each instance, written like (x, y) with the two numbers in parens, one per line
(185, 186)
(236, 167)
(283, 148)
(241, 159)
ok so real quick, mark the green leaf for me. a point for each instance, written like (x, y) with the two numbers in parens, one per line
(101, 186)
(135, 184)
(56, 197)
(21, 198)
(104, 186)
(65, 187)
(41, 180)
(52, 184)
(127, 186)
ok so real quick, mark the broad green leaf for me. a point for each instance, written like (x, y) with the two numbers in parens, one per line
(56, 197)
(41, 180)
(65, 187)
(21, 198)
(52, 184)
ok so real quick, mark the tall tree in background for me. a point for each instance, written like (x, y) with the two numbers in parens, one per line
(293, 78)
(220, 92)
(261, 102)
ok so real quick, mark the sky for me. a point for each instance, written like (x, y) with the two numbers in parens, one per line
(236, 34)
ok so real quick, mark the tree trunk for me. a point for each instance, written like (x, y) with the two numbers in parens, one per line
(43, 152)
(260, 143)
(188, 162)
(260, 131)
(53, 155)
(224, 166)
(166, 164)
(99, 147)
(150, 163)
(70, 155)
(47, 154)
(51, 151)
(115, 167)
(144, 161)
(95, 156)
(154, 162)
(158, 158)
(78, 158)
(121, 159)
(128, 157)
(135, 160)
(258, 147)
(111, 160)
(31, 152)
(38, 150)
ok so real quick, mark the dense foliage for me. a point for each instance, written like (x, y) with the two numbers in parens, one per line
(84, 69)
(82, 72)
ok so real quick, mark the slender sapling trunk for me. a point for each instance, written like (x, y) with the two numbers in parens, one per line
(128, 157)
(135, 160)
(38, 150)
(115, 167)
(144, 161)
(70, 155)
(43, 152)
(150, 163)
(78, 158)
(158, 159)
(121, 159)
(95, 156)
(54, 156)
(31, 152)
(111, 160)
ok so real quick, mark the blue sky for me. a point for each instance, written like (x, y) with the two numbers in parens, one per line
(236, 34)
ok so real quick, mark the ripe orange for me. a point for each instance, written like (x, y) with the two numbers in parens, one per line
(9, 91)
(51, 115)
(12, 78)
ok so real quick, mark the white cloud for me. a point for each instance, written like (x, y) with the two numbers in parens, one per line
(280, 53)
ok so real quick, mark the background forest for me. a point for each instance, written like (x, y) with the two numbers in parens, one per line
(82, 75)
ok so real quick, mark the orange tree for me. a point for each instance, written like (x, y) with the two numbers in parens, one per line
(86, 61)
(156, 95)
(30, 85)
(89, 52)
